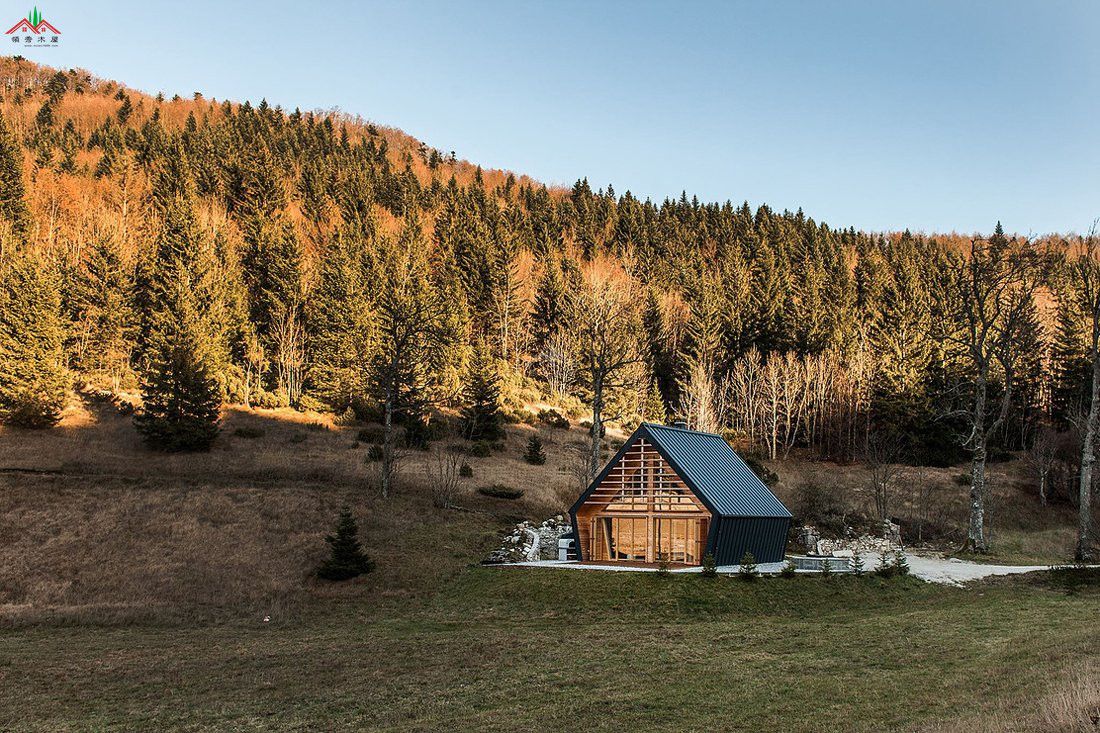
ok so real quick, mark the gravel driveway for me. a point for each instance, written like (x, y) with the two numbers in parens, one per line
(948, 571)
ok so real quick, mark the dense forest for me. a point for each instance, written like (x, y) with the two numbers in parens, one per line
(202, 253)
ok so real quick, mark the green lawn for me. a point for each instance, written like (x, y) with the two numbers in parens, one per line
(512, 649)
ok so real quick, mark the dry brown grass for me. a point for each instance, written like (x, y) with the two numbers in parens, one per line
(1070, 704)
(93, 526)
(1021, 529)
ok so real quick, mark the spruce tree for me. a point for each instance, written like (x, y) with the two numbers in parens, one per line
(103, 295)
(746, 569)
(342, 324)
(33, 378)
(482, 417)
(181, 400)
(13, 206)
(347, 559)
(551, 310)
(534, 454)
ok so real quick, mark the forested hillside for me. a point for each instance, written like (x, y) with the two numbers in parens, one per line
(205, 252)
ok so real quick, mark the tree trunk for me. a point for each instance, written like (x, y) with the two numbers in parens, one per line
(975, 536)
(1084, 551)
(597, 424)
(387, 444)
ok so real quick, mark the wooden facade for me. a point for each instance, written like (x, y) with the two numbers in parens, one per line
(642, 511)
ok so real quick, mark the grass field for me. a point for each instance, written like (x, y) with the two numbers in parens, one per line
(508, 649)
(133, 588)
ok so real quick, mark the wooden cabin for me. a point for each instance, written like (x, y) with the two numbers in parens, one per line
(672, 494)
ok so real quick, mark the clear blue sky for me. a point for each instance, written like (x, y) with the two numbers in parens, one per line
(935, 116)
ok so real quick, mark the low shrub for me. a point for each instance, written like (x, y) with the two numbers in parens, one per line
(297, 438)
(765, 474)
(964, 479)
(248, 433)
(823, 506)
(372, 434)
(500, 491)
(788, 570)
(465, 470)
(710, 567)
(554, 419)
(480, 449)
(418, 434)
(374, 453)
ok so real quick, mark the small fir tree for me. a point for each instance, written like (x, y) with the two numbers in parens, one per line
(710, 567)
(826, 568)
(747, 570)
(482, 417)
(884, 569)
(857, 564)
(901, 564)
(788, 570)
(348, 559)
(534, 454)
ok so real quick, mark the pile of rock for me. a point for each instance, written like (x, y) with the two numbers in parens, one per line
(530, 541)
(845, 547)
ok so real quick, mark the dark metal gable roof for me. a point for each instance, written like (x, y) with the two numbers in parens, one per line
(709, 467)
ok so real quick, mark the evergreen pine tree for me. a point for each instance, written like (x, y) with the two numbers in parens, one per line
(901, 563)
(181, 396)
(482, 416)
(551, 309)
(13, 207)
(534, 454)
(181, 400)
(103, 294)
(342, 326)
(746, 570)
(33, 378)
(347, 559)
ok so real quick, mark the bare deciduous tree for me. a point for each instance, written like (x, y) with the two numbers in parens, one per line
(988, 299)
(704, 399)
(557, 365)
(881, 454)
(608, 341)
(1084, 293)
(290, 352)
(443, 478)
(1040, 458)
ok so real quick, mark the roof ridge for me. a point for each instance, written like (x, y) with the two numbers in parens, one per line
(682, 430)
